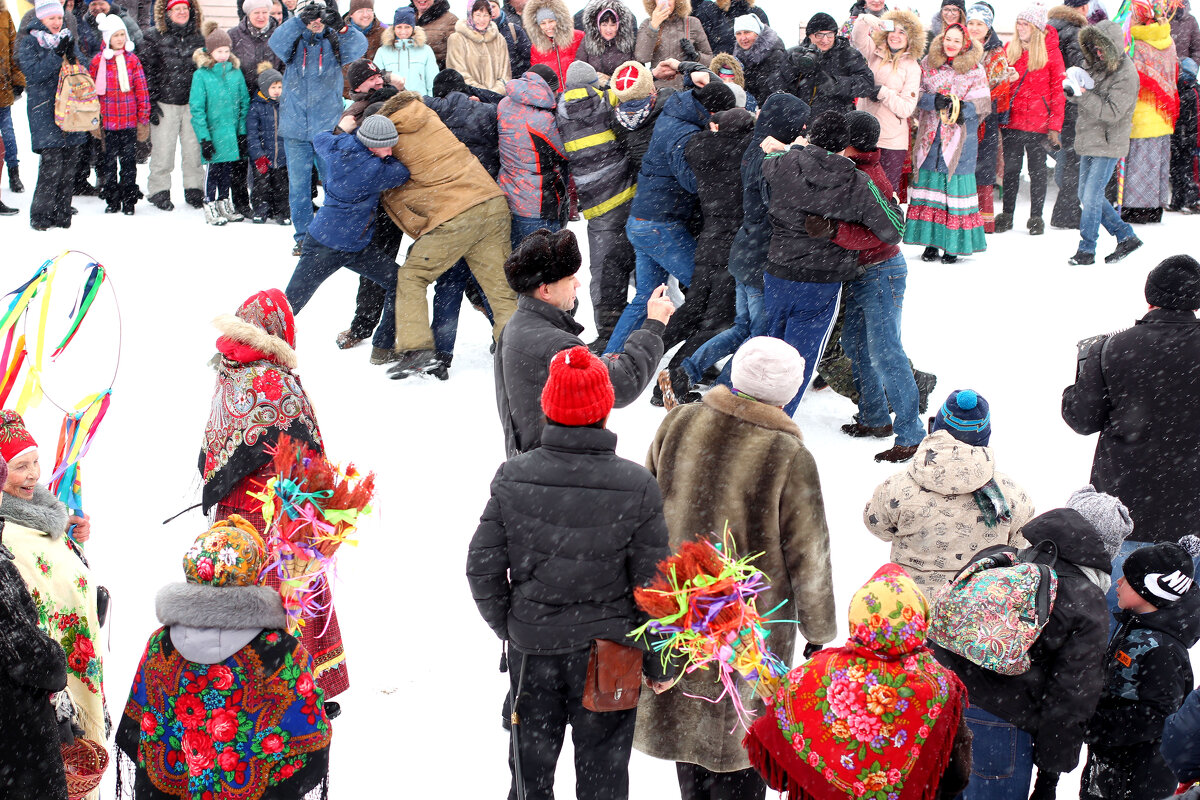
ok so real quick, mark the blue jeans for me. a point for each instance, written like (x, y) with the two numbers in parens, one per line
(318, 262)
(447, 301)
(523, 226)
(871, 339)
(661, 249)
(300, 158)
(801, 314)
(749, 322)
(9, 136)
(1094, 172)
(1001, 758)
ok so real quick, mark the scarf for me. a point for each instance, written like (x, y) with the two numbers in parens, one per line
(65, 598)
(1158, 69)
(251, 725)
(876, 717)
(992, 504)
(632, 113)
(122, 72)
(969, 87)
(50, 40)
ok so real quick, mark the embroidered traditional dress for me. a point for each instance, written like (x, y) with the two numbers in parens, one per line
(995, 65)
(874, 718)
(943, 208)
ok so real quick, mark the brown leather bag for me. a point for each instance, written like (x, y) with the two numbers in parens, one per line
(614, 677)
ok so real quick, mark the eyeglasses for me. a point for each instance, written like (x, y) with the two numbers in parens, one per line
(823, 35)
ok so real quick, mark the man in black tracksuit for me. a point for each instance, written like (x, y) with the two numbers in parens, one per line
(542, 273)
(570, 531)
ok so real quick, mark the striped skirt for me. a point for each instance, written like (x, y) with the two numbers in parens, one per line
(943, 212)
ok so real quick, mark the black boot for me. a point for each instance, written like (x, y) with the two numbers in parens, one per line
(413, 362)
(925, 383)
(162, 200)
(14, 180)
(930, 254)
(194, 197)
(7, 211)
(1123, 249)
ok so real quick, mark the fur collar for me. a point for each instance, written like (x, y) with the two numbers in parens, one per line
(627, 27)
(1102, 37)
(760, 414)
(470, 34)
(683, 8)
(1069, 15)
(388, 37)
(251, 335)
(726, 60)
(45, 512)
(203, 60)
(565, 33)
(963, 63)
(228, 608)
(767, 41)
(912, 26)
(439, 9)
(195, 22)
(406, 110)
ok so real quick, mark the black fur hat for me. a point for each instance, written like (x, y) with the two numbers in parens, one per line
(542, 257)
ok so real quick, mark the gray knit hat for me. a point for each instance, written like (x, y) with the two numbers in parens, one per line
(377, 131)
(1108, 516)
(581, 73)
(267, 77)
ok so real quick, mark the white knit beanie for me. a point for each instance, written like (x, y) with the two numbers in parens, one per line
(768, 370)
(748, 22)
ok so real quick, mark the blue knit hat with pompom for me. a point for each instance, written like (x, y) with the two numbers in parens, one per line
(966, 416)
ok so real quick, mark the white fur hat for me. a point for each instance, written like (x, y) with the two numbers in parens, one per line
(108, 24)
(748, 22)
(768, 370)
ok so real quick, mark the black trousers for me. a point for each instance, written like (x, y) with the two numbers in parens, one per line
(710, 308)
(368, 304)
(240, 183)
(1066, 211)
(87, 156)
(612, 260)
(551, 699)
(698, 783)
(119, 168)
(1018, 144)
(51, 205)
(269, 197)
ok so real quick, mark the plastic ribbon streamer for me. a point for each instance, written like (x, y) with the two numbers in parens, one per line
(310, 508)
(74, 440)
(703, 612)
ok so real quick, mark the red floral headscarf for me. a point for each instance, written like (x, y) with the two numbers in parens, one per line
(270, 312)
(875, 718)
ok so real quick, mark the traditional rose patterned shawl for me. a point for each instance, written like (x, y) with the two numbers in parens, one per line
(875, 718)
(1157, 64)
(965, 79)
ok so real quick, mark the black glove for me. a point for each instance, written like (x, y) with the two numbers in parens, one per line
(874, 95)
(1045, 786)
(310, 12)
(65, 49)
(17, 92)
(811, 650)
(207, 150)
(941, 102)
(243, 146)
(819, 227)
(332, 17)
(155, 114)
(688, 49)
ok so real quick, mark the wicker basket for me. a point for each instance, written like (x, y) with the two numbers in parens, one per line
(85, 762)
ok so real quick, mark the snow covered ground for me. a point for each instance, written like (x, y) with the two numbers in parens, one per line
(425, 696)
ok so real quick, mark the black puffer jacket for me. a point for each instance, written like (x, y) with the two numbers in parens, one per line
(167, 55)
(636, 141)
(1149, 449)
(473, 123)
(718, 22)
(1068, 22)
(1056, 697)
(841, 74)
(766, 64)
(812, 181)
(570, 530)
(716, 158)
(527, 344)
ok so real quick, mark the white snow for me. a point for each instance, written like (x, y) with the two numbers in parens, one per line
(422, 716)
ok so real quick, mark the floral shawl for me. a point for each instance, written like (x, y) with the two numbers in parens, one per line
(875, 718)
(258, 396)
(229, 731)
(1157, 65)
(964, 78)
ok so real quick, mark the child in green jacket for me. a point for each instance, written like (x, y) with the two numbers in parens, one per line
(219, 102)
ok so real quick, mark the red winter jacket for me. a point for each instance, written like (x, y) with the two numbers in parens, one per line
(851, 236)
(121, 111)
(559, 59)
(1038, 104)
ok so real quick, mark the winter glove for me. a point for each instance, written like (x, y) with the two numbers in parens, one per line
(207, 150)
(1055, 139)
(874, 95)
(1045, 787)
(941, 102)
(66, 49)
(310, 12)
(811, 650)
(819, 227)
(17, 92)
(332, 17)
(143, 133)
(155, 114)
(242, 145)
(688, 49)
(262, 164)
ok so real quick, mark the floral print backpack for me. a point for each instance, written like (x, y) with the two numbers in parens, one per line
(995, 608)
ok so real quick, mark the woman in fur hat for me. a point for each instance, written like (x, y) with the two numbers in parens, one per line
(552, 34)
(404, 52)
(893, 46)
(258, 397)
(609, 34)
(50, 559)
(478, 51)
(943, 213)
(224, 698)
(662, 36)
(980, 17)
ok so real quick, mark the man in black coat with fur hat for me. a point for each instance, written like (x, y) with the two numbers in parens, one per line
(1136, 389)
(542, 273)
(826, 71)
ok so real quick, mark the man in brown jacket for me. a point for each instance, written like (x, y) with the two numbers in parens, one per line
(435, 17)
(452, 209)
(738, 460)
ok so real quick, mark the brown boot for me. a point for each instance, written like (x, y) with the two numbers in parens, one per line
(897, 454)
(860, 431)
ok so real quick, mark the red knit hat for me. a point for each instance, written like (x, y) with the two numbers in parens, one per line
(578, 391)
(15, 440)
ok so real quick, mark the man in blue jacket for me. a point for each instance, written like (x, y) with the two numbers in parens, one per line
(666, 198)
(314, 45)
(359, 168)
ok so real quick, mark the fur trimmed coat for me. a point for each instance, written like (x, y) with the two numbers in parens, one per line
(657, 45)
(556, 53)
(898, 77)
(481, 58)
(965, 79)
(606, 56)
(220, 104)
(412, 59)
(10, 71)
(733, 461)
